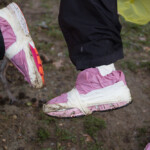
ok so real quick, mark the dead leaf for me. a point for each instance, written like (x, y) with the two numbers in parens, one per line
(45, 59)
(88, 138)
(58, 63)
(146, 49)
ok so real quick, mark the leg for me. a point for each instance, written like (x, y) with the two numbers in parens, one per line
(2, 46)
(93, 36)
(94, 43)
(3, 69)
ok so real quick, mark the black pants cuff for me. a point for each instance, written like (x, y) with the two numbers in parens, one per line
(2, 46)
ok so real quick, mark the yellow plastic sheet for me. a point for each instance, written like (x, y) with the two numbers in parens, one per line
(136, 11)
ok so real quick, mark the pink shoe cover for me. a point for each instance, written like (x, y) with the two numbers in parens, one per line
(87, 81)
(147, 147)
(19, 46)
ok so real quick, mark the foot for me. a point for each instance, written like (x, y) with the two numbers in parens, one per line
(19, 46)
(97, 89)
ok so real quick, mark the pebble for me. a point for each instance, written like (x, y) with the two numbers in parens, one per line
(60, 54)
(52, 49)
(43, 25)
(45, 89)
(61, 124)
(4, 140)
(14, 117)
(52, 144)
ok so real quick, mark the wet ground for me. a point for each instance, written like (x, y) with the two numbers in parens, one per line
(23, 126)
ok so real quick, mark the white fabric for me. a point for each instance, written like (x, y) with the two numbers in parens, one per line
(116, 93)
(106, 69)
(20, 17)
(74, 100)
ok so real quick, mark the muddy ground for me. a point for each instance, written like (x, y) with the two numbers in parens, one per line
(23, 126)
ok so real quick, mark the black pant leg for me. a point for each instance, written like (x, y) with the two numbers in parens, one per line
(92, 32)
(2, 46)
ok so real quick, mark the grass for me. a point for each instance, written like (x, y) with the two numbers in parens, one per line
(64, 135)
(132, 66)
(56, 34)
(129, 65)
(141, 132)
(46, 47)
(143, 136)
(145, 65)
(42, 134)
(60, 147)
(95, 146)
(131, 34)
(46, 119)
(92, 125)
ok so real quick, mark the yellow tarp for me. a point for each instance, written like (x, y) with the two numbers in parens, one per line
(136, 11)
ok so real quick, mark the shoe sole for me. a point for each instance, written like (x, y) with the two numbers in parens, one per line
(97, 111)
(18, 15)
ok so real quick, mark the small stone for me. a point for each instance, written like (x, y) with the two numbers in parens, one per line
(4, 140)
(52, 144)
(60, 54)
(144, 111)
(45, 89)
(61, 124)
(15, 117)
(52, 49)
(43, 25)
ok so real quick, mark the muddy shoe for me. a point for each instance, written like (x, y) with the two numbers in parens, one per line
(20, 48)
(97, 89)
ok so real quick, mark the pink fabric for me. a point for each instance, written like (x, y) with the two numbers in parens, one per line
(34, 56)
(8, 33)
(147, 147)
(20, 62)
(91, 79)
(59, 99)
